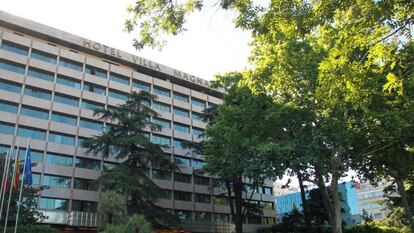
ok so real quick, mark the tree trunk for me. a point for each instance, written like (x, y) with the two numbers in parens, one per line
(238, 188)
(336, 225)
(232, 214)
(407, 209)
(328, 204)
(304, 202)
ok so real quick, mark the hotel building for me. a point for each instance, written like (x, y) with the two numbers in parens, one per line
(50, 83)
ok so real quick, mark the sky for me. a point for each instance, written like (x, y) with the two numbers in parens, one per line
(211, 45)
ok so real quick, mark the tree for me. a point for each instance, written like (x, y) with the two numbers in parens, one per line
(126, 140)
(338, 62)
(230, 148)
(110, 205)
(135, 224)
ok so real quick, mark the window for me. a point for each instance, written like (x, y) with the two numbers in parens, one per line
(68, 81)
(202, 198)
(118, 94)
(220, 200)
(95, 71)
(86, 163)
(37, 155)
(94, 88)
(58, 159)
(162, 107)
(141, 85)
(31, 133)
(36, 54)
(161, 140)
(35, 112)
(85, 206)
(267, 190)
(267, 205)
(37, 93)
(183, 196)
(10, 86)
(183, 178)
(63, 118)
(74, 65)
(166, 194)
(204, 216)
(84, 184)
(178, 144)
(61, 138)
(181, 112)
(183, 214)
(6, 128)
(119, 78)
(162, 123)
(198, 102)
(8, 107)
(86, 104)
(162, 91)
(218, 217)
(180, 97)
(200, 180)
(198, 164)
(197, 116)
(40, 74)
(181, 161)
(162, 175)
(181, 127)
(53, 203)
(91, 124)
(197, 131)
(68, 100)
(57, 181)
(35, 179)
(14, 48)
(12, 66)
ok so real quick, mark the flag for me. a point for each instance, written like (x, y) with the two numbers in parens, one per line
(15, 179)
(28, 167)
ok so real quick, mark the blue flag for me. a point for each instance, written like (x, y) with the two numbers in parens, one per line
(28, 167)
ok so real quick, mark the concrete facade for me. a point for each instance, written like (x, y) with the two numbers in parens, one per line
(370, 197)
(51, 80)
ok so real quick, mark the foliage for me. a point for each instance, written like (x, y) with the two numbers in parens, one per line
(110, 205)
(127, 141)
(373, 228)
(231, 151)
(135, 224)
(32, 228)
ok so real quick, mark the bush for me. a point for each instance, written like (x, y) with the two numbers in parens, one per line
(35, 228)
(281, 228)
(372, 228)
(137, 223)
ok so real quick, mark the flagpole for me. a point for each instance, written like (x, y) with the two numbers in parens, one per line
(11, 188)
(21, 185)
(3, 194)
(4, 173)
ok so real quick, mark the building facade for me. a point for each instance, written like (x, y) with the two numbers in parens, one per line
(369, 199)
(50, 83)
(286, 203)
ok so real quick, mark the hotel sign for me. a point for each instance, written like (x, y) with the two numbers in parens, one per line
(143, 62)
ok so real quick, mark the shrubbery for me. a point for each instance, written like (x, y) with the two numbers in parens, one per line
(35, 228)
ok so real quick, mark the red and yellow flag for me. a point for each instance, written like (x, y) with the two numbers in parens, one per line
(15, 179)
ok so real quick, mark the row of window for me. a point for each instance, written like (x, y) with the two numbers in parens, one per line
(77, 205)
(48, 76)
(61, 138)
(86, 123)
(87, 104)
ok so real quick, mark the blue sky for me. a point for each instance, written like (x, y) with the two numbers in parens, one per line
(211, 44)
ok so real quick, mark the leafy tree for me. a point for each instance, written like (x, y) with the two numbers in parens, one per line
(231, 152)
(110, 205)
(346, 64)
(127, 142)
(135, 224)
